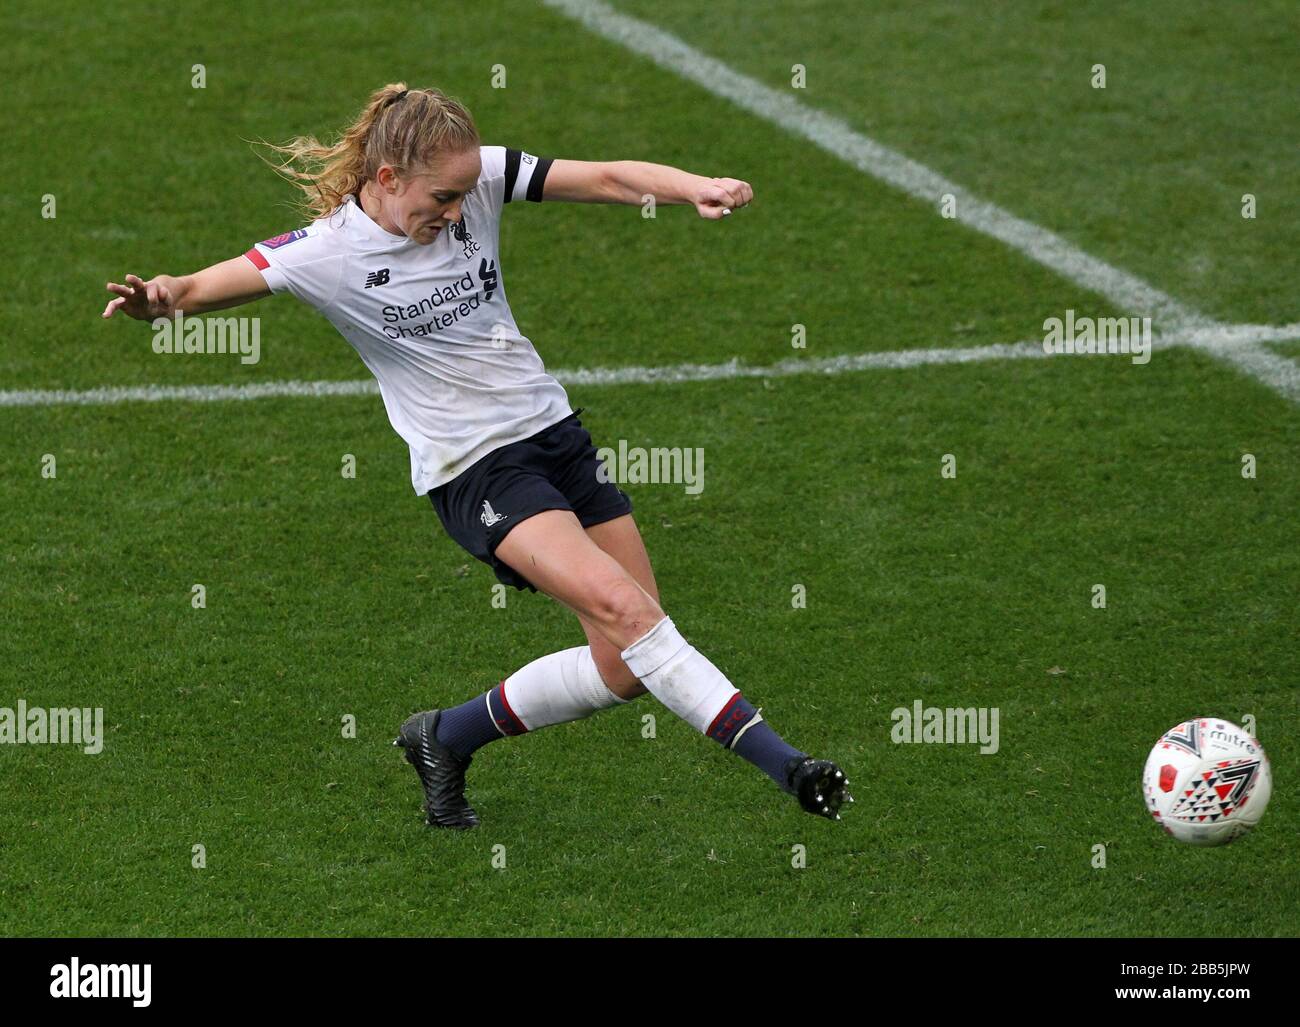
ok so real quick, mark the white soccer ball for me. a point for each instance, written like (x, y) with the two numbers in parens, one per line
(1207, 782)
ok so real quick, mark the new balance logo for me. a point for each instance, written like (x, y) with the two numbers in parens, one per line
(489, 516)
(379, 277)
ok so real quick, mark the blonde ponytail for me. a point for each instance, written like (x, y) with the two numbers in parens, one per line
(407, 128)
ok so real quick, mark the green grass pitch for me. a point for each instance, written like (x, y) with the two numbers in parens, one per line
(330, 597)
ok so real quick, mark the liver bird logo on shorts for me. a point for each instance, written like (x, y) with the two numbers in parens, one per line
(489, 516)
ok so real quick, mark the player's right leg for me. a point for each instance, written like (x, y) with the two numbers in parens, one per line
(560, 559)
(619, 538)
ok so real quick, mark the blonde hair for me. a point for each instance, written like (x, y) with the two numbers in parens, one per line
(406, 128)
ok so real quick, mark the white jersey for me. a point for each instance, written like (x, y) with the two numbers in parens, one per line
(431, 322)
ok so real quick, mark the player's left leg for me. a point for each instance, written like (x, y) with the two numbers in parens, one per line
(553, 689)
(563, 686)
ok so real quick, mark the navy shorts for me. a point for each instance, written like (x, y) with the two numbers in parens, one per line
(556, 469)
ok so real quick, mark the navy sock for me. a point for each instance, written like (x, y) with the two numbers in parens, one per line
(466, 728)
(741, 729)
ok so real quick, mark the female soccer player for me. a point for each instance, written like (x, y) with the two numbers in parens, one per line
(402, 257)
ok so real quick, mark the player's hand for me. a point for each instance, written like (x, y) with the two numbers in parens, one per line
(142, 300)
(718, 197)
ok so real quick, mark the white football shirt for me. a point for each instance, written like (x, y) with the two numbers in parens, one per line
(457, 377)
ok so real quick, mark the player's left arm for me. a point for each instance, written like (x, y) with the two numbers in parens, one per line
(631, 181)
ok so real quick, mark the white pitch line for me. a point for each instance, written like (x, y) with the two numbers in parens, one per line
(1127, 291)
(114, 394)
(1229, 343)
(879, 161)
(1279, 372)
(576, 376)
(1238, 345)
(1220, 335)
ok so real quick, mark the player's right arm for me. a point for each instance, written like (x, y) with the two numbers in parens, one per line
(223, 285)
